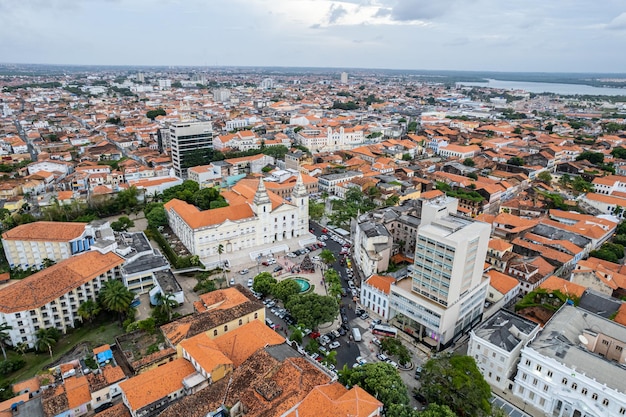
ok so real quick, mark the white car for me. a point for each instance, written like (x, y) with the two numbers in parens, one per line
(334, 345)
(250, 282)
(232, 281)
(361, 360)
(316, 258)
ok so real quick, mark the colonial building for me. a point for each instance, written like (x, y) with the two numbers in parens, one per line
(254, 217)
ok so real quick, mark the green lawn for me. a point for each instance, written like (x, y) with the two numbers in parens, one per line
(95, 335)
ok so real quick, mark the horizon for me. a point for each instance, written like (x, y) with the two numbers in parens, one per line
(405, 35)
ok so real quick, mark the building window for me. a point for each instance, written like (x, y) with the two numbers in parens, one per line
(542, 401)
(622, 410)
(549, 373)
(605, 402)
(226, 327)
(583, 391)
(605, 342)
(527, 362)
(215, 332)
(545, 388)
(564, 381)
(538, 368)
(523, 376)
(594, 396)
(574, 386)
(240, 322)
(535, 382)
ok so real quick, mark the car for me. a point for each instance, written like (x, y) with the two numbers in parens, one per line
(314, 335)
(419, 397)
(359, 311)
(382, 357)
(244, 271)
(271, 303)
(315, 356)
(376, 322)
(265, 263)
(323, 350)
(289, 319)
(324, 340)
(269, 323)
(271, 261)
(365, 316)
(136, 302)
(306, 332)
(316, 258)
(335, 333)
(291, 255)
(103, 407)
(342, 331)
(376, 342)
(344, 318)
(330, 336)
(354, 292)
(274, 310)
(334, 345)
(356, 365)
(278, 268)
(324, 230)
(392, 363)
(418, 372)
(322, 244)
(361, 360)
(250, 282)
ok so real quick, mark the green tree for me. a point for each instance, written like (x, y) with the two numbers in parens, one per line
(4, 336)
(516, 160)
(157, 217)
(565, 180)
(285, 289)
(412, 127)
(381, 380)
(166, 304)
(264, 283)
(437, 410)
(544, 176)
(126, 200)
(582, 186)
(122, 224)
(316, 210)
(457, 382)
(327, 256)
(345, 210)
(88, 310)
(619, 152)
(595, 158)
(406, 157)
(46, 339)
(115, 297)
(313, 309)
(469, 162)
(153, 114)
(296, 335)
(392, 201)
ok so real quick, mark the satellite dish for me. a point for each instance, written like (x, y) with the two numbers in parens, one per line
(583, 339)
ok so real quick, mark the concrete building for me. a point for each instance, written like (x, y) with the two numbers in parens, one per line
(329, 182)
(27, 245)
(574, 367)
(445, 293)
(375, 294)
(344, 78)
(496, 346)
(188, 141)
(372, 246)
(51, 297)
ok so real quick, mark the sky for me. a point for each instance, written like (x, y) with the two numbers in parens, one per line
(478, 35)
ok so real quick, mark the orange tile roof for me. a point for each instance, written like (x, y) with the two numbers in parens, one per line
(77, 391)
(501, 282)
(223, 299)
(6, 405)
(157, 383)
(335, 400)
(32, 385)
(499, 244)
(46, 231)
(196, 218)
(113, 374)
(241, 343)
(101, 349)
(429, 195)
(621, 315)
(554, 283)
(206, 353)
(381, 282)
(51, 283)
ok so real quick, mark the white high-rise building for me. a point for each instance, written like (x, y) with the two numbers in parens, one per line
(189, 141)
(445, 292)
(344, 78)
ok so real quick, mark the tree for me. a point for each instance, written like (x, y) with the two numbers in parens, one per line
(285, 289)
(544, 176)
(565, 180)
(327, 256)
(619, 152)
(406, 157)
(116, 297)
(122, 224)
(316, 210)
(516, 160)
(381, 380)
(395, 347)
(264, 283)
(166, 304)
(311, 310)
(296, 335)
(157, 217)
(457, 382)
(152, 114)
(581, 185)
(46, 338)
(4, 336)
(437, 410)
(469, 162)
(595, 158)
(392, 201)
(88, 310)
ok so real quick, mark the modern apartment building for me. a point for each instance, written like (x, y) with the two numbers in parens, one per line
(28, 245)
(51, 297)
(445, 292)
(189, 138)
(574, 367)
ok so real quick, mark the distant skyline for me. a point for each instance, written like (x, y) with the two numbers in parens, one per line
(470, 35)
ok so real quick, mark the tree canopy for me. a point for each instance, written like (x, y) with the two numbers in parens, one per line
(264, 283)
(311, 310)
(457, 382)
(285, 289)
(153, 114)
(345, 210)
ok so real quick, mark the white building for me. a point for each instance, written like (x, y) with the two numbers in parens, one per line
(165, 84)
(344, 78)
(496, 346)
(189, 140)
(254, 217)
(329, 182)
(445, 293)
(372, 246)
(51, 297)
(328, 139)
(27, 245)
(375, 294)
(221, 94)
(574, 367)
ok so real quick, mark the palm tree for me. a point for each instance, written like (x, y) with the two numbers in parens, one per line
(116, 297)
(166, 304)
(4, 336)
(88, 310)
(327, 257)
(46, 338)
(220, 250)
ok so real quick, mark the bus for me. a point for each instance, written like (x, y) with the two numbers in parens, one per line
(383, 330)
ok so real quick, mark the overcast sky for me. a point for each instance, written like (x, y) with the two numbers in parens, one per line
(498, 35)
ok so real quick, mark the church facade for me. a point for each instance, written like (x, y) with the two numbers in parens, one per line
(253, 217)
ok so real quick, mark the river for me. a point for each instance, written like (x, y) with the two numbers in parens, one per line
(562, 89)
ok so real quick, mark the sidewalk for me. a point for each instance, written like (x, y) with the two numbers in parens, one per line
(517, 402)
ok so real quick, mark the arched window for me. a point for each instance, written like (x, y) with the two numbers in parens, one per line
(215, 332)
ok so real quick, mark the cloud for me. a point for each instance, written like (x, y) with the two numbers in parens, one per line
(335, 13)
(407, 10)
(619, 23)
(383, 12)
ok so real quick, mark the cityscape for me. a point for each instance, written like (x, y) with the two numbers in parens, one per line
(279, 211)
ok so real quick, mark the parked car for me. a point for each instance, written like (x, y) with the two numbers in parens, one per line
(323, 350)
(103, 407)
(316, 258)
(250, 282)
(232, 281)
(361, 360)
(376, 322)
(278, 268)
(271, 261)
(382, 357)
(244, 271)
(376, 342)
(365, 316)
(334, 345)
(314, 335)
